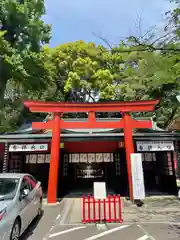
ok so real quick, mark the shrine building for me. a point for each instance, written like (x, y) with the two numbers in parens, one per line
(68, 155)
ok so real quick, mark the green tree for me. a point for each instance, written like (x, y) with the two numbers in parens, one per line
(36, 85)
(87, 72)
(79, 71)
(173, 26)
(153, 74)
(75, 67)
(24, 32)
(23, 68)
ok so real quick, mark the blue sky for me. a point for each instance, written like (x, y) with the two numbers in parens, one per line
(111, 19)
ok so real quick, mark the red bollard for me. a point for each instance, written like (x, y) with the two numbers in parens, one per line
(99, 215)
(115, 218)
(120, 210)
(89, 209)
(109, 203)
(99, 209)
(104, 209)
(94, 210)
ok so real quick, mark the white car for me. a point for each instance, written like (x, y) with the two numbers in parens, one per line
(20, 203)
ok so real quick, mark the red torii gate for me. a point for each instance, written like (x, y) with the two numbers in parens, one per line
(58, 108)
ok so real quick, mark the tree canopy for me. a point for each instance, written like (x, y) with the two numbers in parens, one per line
(135, 69)
(86, 72)
(22, 32)
(22, 67)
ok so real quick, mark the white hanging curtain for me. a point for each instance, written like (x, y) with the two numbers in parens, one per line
(91, 157)
(83, 157)
(106, 157)
(99, 157)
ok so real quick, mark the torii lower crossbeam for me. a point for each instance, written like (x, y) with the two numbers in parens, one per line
(127, 123)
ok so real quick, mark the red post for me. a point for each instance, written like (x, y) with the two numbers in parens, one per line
(104, 209)
(94, 209)
(99, 208)
(128, 139)
(89, 208)
(120, 209)
(109, 203)
(115, 218)
(54, 162)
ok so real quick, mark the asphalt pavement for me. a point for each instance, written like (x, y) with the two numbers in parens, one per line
(41, 226)
(50, 227)
(114, 232)
(57, 223)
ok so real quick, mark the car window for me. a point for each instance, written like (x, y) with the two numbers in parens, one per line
(25, 184)
(32, 181)
(8, 188)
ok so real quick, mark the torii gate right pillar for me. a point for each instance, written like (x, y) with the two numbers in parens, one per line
(129, 148)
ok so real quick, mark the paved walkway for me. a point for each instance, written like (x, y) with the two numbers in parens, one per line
(159, 210)
(155, 220)
(114, 232)
(41, 226)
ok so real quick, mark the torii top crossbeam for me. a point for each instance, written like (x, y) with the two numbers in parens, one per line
(64, 107)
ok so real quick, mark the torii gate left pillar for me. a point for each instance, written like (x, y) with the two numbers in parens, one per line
(127, 123)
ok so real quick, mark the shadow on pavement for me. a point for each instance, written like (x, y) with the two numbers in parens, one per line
(30, 230)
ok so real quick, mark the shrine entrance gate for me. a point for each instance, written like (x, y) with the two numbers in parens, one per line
(59, 108)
